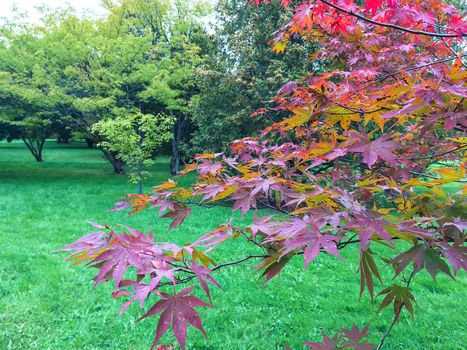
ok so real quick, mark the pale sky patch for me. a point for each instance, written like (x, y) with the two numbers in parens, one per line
(91, 7)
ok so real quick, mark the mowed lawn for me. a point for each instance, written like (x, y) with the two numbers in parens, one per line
(47, 304)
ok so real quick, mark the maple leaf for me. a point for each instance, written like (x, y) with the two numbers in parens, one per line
(325, 344)
(177, 309)
(208, 167)
(244, 200)
(371, 151)
(369, 225)
(325, 242)
(373, 5)
(287, 88)
(138, 202)
(261, 224)
(400, 296)
(214, 238)
(303, 16)
(203, 275)
(355, 338)
(422, 257)
(120, 206)
(88, 247)
(279, 47)
(124, 251)
(274, 265)
(368, 268)
(178, 215)
(141, 292)
(210, 191)
(456, 255)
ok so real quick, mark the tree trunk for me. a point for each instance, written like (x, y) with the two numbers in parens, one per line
(178, 129)
(140, 184)
(63, 140)
(90, 142)
(175, 161)
(34, 147)
(117, 163)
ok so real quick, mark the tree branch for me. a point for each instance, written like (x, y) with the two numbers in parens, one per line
(393, 26)
(396, 317)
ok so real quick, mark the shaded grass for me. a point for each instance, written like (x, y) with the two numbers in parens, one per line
(47, 304)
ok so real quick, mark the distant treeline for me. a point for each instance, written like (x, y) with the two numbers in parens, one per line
(207, 68)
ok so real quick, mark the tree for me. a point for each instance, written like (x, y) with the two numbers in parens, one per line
(140, 59)
(31, 102)
(134, 139)
(352, 164)
(241, 73)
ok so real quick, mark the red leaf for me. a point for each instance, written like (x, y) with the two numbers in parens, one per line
(325, 344)
(372, 151)
(373, 5)
(422, 257)
(355, 338)
(178, 215)
(177, 309)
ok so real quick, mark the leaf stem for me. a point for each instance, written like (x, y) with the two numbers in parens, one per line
(396, 317)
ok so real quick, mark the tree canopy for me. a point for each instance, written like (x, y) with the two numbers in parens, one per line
(75, 72)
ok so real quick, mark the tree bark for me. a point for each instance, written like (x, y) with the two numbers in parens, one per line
(34, 147)
(89, 142)
(117, 163)
(140, 184)
(178, 129)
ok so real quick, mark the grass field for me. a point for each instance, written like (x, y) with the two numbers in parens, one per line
(47, 304)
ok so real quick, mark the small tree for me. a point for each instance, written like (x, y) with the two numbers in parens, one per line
(134, 139)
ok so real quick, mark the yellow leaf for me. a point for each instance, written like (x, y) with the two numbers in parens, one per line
(225, 193)
(279, 47)
(205, 260)
(300, 117)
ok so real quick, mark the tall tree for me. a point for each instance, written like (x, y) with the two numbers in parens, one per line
(31, 100)
(242, 73)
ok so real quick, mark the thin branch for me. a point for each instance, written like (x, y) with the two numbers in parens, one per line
(436, 155)
(394, 321)
(239, 261)
(396, 317)
(384, 77)
(393, 26)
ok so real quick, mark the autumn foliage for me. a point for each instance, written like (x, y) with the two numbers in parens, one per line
(365, 156)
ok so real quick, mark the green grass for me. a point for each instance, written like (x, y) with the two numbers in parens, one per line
(47, 304)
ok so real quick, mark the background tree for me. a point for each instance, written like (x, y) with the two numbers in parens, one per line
(242, 73)
(32, 103)
(134, 139)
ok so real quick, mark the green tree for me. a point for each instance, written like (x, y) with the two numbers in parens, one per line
(141, 58)
(32, 103)
(134, 139)
(242, 73)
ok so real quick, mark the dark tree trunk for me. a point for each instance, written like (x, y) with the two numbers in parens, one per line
(90, 142)
(117, 163)
(178, 129)
(175, 161)
(35, 146)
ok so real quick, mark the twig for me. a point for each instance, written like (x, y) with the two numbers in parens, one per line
(393, 26)
(396, 317)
